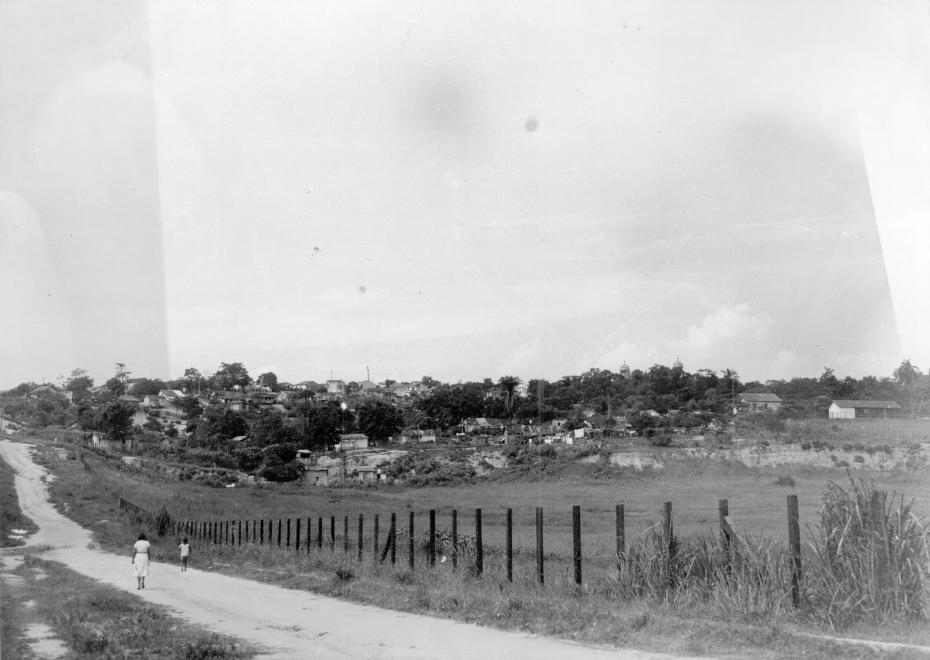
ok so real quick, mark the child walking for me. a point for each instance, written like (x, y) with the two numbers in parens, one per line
(185, 549)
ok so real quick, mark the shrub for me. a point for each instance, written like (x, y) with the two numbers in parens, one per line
(859, 458)
(785, 480)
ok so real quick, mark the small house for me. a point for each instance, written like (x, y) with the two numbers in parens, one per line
(858, 409)
(760, 401)
(367, 474)
(315, 476)
(353, 441)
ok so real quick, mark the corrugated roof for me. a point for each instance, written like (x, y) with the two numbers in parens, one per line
(853, 403)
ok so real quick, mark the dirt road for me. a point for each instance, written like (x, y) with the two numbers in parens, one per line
(288, 623)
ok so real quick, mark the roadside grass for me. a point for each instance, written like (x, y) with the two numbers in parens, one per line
(11, 517)
(97, 621)
(12, 625)
(737, 619)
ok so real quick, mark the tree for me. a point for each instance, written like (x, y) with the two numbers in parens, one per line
(79, 383)
(906, 375)
(148, 386)
(116, 387)
(268, 428)
(728, 382)
(192, 376)
(220, 425)
(231, 375)
(122, 375)
(269, 380)
(21, 390)
(116, 420)
(191, 408)
(509, 386)
(379, 420)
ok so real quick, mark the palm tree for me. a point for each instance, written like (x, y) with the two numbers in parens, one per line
(906, 375)
(730, 377)
(509, 385)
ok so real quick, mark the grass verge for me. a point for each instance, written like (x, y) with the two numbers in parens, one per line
(97, 621)
(11, 517)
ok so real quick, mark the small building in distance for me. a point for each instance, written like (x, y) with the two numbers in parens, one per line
(314, 476)
(756, 401)
(857, 409)
(353, 441)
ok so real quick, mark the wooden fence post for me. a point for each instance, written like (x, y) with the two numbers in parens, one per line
(319, 533)
(410, 542)
(509, 545)
(332, 533)
(880, 546)
(726, 540)
(226, 534)
(668, 530)
(297, 535)
(455, 538)
(540, 560)
(620, 515)
(309, 527)
(239, 535)
(576, 541)
(361, 535)
(393, 538)
(794, 542)
(345, 534)
(261, 532)
(479, 545)
(431, 554)
(287, 541)
(375, 540)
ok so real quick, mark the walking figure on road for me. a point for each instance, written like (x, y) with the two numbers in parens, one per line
(185, 549)
(140, 560)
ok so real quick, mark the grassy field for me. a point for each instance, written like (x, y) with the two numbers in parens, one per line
(728, 623)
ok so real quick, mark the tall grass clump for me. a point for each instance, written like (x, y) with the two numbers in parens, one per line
(869, 559)
(750, 581)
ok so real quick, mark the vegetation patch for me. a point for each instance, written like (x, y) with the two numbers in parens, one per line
(98, 621)
(14, 526)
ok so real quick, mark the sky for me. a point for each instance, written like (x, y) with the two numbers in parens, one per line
(463, 190)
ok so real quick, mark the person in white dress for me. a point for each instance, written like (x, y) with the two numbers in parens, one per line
(140, 560)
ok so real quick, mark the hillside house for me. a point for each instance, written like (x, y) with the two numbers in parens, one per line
(759, 401)
(151, 401)
(352, 441)
(415, 436)
(858, 409)
(367, 474)
(337, 387)
(314, 476)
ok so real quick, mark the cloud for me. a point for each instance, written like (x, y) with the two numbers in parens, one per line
(522, 359)
(725, 326)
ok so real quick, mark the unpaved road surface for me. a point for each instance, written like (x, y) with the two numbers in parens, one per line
(285, 622)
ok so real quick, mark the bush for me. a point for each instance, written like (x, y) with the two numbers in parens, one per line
(280, 473)
(785, 480)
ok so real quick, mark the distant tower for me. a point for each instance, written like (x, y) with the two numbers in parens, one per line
(677, 364)
(625, 370)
